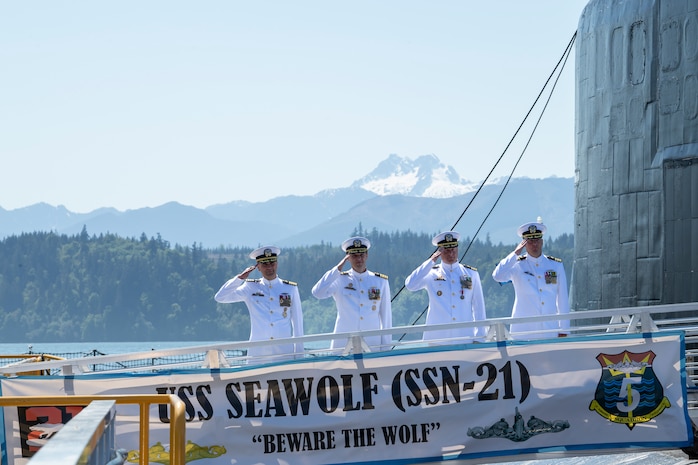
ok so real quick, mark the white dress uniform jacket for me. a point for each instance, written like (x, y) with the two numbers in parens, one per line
(363, 303)
(455, 295)
(275, 311)
(540, 285)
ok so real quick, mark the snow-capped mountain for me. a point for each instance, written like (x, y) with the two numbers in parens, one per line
(424, 177)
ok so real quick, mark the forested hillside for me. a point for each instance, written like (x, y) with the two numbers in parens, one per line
(59, 288)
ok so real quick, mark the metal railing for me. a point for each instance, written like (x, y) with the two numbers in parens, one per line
(683, 317)
(86, 441)
(27, 360)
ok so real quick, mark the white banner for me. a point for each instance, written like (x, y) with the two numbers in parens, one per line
(479, 400)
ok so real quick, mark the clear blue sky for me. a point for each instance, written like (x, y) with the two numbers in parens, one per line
(133, 104)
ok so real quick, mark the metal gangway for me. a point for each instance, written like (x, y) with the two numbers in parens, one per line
(91, 431)
(88, 438)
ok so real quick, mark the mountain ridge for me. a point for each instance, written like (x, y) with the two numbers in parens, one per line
(400, 194)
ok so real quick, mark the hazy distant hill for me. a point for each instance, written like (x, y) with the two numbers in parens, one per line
(524, 200)
(419, 195)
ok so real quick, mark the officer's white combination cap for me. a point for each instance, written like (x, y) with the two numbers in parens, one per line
(447, 240)
(356, 245)
(531, 230)
(266, 254)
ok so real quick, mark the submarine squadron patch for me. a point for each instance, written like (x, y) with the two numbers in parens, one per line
(628, 391)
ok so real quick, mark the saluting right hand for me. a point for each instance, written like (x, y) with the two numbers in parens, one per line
(342, 262)
(247, 272)
(520, 247)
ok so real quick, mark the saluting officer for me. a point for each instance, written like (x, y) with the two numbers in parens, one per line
(455, 290)
(274, 304)
(540, 284)
(362, 297)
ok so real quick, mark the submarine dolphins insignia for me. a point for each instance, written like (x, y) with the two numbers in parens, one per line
(520, 430)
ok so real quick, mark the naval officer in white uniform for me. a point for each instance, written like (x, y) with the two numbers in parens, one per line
(540, 284)
(274, 304)
(362, 297)
(455, 292)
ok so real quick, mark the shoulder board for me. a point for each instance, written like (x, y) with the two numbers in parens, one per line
(286, 281)
(381, 275)
(522, 257)
(250, 280)
(470, 267)
(554, 258)
(344, 272)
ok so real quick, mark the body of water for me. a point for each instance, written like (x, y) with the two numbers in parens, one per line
(107, 348)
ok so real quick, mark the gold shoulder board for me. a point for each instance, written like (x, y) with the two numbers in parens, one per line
(381, 275)
(286, 281)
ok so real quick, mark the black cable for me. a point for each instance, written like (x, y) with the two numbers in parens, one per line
(511, 174)
(563, 61)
